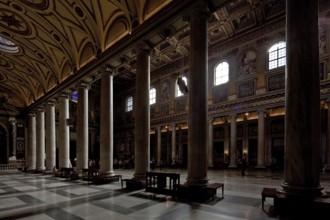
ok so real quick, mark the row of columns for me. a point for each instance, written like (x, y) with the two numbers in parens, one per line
(227, 148)
(302, 144)
(36, 131)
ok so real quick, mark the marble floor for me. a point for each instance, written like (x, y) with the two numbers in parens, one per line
(43, 197)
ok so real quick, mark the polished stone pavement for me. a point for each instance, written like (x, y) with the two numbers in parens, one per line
(43, 197)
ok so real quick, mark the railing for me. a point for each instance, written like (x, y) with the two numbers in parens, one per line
(8, 167)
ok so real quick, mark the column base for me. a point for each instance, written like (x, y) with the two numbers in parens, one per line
(260, 167)
(41, 169)
(194, 193)
(200, 182)
(132, 184)
(301, 192)
(140, 177)
(108, 173)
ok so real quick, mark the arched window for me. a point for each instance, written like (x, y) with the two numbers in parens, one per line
(277, 55)
(221, 74)
(129, 104)
(185, 84)
(152, 96)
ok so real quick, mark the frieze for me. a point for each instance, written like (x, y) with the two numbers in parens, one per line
(248, 37)
(248, 103)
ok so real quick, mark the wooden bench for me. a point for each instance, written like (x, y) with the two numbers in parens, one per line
(90, 174)
(214, 186)
(268, 192)
(162, 182)
(65, 172)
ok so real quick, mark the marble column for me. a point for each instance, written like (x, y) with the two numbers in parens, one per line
(197, 96)
(327, 156)
(106, 123)
(82, 127)
(180, 153)
(142, 111)
(226, 142)
(40, 136)
(232, 154)
(12, 151)
(302, 101)
(159, 144)
(173, 155)
(245, 140)
(31, 159)
(64, 132)
(50, 136)
(210, 149)
(261, 139)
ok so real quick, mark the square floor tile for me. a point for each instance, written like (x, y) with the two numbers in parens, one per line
(125, 201)
(81, 191)
(25, 188)
(10, 202)
(37, 217)
(48, 197)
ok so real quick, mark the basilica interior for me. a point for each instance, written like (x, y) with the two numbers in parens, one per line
(192, 86)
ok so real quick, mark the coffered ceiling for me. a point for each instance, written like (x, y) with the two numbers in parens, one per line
(48, 45)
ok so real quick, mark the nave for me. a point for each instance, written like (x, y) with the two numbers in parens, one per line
(37, 196)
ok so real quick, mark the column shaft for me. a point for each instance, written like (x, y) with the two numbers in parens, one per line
(31, 142)
(173, 158)
(327, 158)
(142, 114)
(64, 132)
(261, 139)
(226, 143)
(302, 116)
(82, 128)
(210, 144)
(233, 154)
(197, 86)
(50, 136)
(40, 140)
(159, 144)
(106, 124)
(12, 151)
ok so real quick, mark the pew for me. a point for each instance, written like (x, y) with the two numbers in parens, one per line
(162, 183)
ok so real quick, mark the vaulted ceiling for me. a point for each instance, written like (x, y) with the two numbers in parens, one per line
(43, 42)
(47, 45)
